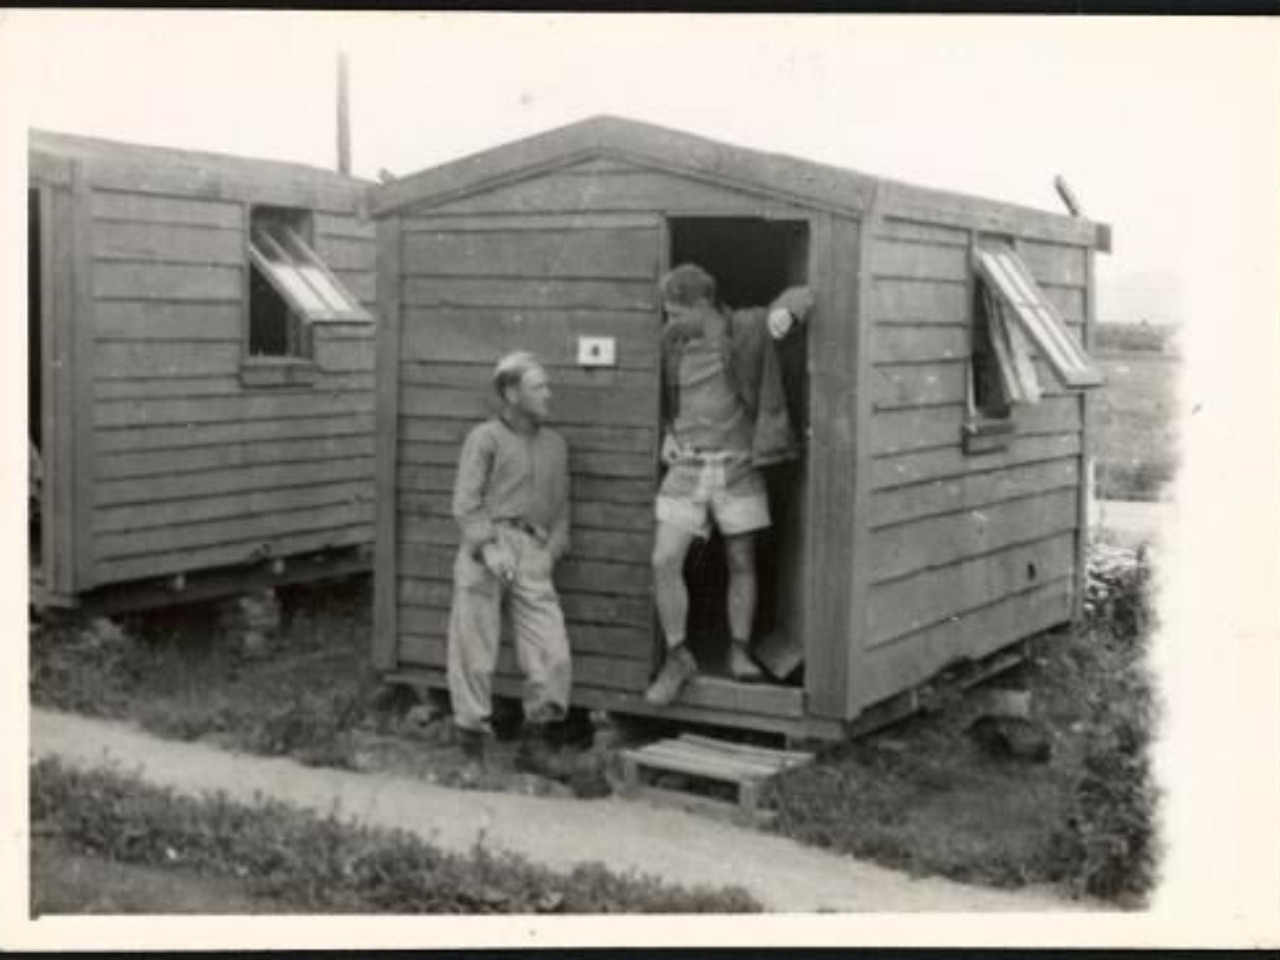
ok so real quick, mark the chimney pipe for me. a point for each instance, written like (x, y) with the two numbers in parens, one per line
(1068, 196)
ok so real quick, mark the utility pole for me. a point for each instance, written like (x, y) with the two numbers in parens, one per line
(344, 118)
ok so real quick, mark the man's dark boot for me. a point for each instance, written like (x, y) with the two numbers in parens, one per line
(675, 672)
(473, 746)
(535, 755)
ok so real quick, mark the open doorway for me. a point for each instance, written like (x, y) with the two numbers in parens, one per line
(35, 378)
(753, 260)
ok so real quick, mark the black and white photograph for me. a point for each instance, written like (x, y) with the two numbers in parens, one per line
(543, 479)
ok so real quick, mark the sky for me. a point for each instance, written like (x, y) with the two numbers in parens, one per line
(993, 106)
(1167, 129)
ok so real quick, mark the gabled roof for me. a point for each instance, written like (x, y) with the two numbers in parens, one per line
(802, 181)
(127, 165)
(798, 181)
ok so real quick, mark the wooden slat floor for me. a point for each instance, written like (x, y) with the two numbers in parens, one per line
(745, 766)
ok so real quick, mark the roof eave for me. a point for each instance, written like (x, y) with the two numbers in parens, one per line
(908, 201)
(675, 151)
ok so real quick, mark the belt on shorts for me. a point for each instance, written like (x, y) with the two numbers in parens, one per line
(524, 526)
(699, 455)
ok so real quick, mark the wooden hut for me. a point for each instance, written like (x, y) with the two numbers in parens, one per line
(201, 372)
(937, 515)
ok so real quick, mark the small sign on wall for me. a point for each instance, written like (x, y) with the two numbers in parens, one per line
(597, 352)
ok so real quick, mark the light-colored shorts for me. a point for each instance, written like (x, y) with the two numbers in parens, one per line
(727, 490)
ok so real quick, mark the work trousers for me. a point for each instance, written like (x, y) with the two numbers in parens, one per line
(530, 608)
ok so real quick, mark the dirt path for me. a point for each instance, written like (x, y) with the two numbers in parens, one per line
(622, 834)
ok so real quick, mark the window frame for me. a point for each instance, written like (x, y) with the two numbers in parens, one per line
(297, 367)
(1024, 304)
(290, 245)
(1010, 328)
(987, 426)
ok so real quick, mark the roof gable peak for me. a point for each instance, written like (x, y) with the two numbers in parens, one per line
(645, 145)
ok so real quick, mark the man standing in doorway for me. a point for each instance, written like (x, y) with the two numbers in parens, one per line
(725, 416)
(511, 499)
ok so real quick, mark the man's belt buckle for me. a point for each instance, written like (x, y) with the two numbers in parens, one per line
(711, 456)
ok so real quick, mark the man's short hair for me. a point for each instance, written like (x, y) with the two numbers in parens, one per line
(511, 369)
(688, 284)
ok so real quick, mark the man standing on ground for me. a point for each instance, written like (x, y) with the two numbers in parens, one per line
(725, 417)
(511, 499)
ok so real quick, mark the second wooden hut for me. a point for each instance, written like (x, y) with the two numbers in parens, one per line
(201, 365)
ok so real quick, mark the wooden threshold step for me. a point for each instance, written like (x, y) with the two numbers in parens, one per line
(746, 766)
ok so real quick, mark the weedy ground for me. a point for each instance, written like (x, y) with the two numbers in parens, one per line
(927, 797)
(921, 796)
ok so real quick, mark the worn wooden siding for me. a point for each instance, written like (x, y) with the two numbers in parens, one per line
(192, 469)
(489, 277)
(537, 263)
(967, 553)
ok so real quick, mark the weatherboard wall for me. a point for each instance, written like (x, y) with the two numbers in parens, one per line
(180, 467)
(966, 552)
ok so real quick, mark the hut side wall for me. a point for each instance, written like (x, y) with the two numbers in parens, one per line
(192, 469)
(966, 553)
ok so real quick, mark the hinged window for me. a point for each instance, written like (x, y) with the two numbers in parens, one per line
(1003, 373)
(1021, 308)
(290, 288)
(1011, 318)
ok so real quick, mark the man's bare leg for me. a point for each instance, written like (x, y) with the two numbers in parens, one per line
(740, 555)
(671, 546)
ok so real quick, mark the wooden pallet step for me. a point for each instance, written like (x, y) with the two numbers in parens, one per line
(745, 766)
(786, 758)
(711, 765)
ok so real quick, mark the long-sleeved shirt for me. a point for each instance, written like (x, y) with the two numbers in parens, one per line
(504, 474)
(752, 364)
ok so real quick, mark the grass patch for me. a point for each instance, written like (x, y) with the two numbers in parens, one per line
(65, 880)
(174, 673)
(1143, 481)
(310, 697)
(309, 863)
(925, 797)
(1136, 455)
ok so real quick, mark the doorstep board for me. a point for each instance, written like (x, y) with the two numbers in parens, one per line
(743, 765)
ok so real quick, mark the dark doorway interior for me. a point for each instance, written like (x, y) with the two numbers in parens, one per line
(753, 260)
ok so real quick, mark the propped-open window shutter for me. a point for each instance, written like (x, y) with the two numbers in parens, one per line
(1036, 315)
(1018, 378)
(300, 277)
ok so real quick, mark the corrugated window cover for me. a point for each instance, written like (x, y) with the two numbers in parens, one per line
(300, 277)
(1036, 315)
